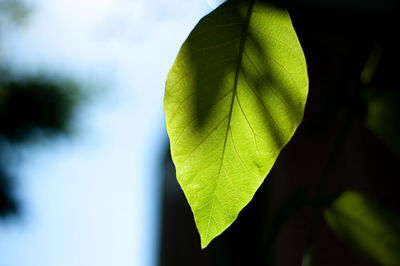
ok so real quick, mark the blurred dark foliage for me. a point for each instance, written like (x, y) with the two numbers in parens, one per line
(14, 11)
(31, 104)
(8, 202)
(31, 109)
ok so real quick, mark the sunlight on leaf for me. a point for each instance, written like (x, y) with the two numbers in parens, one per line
(366, 226)
(234, 97)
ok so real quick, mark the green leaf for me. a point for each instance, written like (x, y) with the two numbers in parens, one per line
(366, 226)
(234, 97)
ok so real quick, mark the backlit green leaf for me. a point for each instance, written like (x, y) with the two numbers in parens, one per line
(234, 97)
(366, 226)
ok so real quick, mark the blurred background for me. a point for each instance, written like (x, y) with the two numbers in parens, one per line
(85, 172)
(82, 131)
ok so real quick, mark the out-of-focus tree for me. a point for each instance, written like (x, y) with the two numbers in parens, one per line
(14, 11)
(31, 107)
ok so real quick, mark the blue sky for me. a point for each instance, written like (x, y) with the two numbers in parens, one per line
(93, 199)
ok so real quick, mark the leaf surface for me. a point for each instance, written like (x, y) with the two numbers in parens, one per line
(234, 97)
(366, 226)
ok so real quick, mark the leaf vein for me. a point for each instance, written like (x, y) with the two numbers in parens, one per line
(269, 36)
(235, 85)
(262, 103)
(216, 102)
(265, 82)
(233, 185)
(226, 211)
(218, 45)
(251, 128)
(204, 139)
(236, 151)
(269, 58)
(207, 66)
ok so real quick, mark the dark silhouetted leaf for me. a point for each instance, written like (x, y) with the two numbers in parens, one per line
(382, 116)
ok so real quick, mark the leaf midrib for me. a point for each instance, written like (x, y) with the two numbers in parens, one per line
(235, 85)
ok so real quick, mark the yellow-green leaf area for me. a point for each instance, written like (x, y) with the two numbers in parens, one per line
(234, 98)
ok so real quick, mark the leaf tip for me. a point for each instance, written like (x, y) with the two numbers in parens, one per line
(204, 241)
